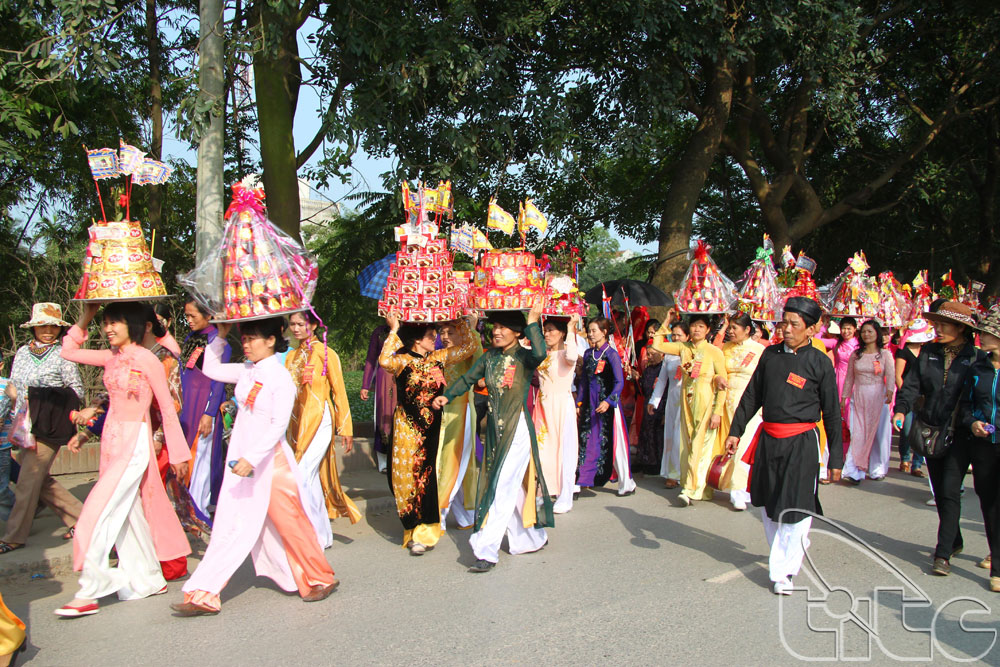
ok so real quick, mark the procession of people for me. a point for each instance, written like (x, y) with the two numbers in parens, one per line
(753, 400)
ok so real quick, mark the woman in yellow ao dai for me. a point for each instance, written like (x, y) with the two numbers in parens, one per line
(701, 405)
(320, 412)
(742, 355)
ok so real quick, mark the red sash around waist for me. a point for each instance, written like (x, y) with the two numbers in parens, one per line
(775, 431)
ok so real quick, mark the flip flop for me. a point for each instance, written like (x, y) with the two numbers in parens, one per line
(70, 533)
(6, 547)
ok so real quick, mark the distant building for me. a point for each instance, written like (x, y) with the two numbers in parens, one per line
(315, 211)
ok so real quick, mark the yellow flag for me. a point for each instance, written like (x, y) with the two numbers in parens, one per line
(430, 198)
(444, 198)
(480, 241)
(532, 217)
(500, 219)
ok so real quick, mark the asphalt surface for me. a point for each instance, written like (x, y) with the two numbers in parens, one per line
(637, 580)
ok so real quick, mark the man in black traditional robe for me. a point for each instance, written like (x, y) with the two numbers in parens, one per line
(795, 385)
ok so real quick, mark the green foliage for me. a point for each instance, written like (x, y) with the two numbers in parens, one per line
(604, 260)
(361, 411)
(349, 245)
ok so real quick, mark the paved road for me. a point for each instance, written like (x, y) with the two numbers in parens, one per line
(624, 580)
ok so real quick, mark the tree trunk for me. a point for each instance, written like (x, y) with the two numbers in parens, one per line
(987, 190)
(155, 200)
(690, 176)
(211, 187)
(277, 78)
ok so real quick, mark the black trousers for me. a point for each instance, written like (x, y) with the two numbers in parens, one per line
(947, 474)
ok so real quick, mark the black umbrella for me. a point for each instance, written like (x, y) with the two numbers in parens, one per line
(639, 293)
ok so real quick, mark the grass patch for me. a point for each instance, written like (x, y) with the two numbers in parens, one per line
(361, 411)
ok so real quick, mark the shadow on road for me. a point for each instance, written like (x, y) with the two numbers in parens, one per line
(648, 532)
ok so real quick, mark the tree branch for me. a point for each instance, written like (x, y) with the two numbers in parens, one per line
(902, 95)
(877, 210)
(307, 8)
(317, 140)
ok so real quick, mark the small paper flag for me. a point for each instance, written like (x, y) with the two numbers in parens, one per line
(130, 158)
(500, 219)
(103, 163)
(152, 172)
(532, 217)
(480, 242)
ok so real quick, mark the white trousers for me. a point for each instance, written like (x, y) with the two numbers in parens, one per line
(622, 467)
(456, 504)
(670, 465)
(788, 543)
(878, 457)
(736, 495)
(313, 500)
(504, 516)
(201, 473)
(123, 525)
(569, 458)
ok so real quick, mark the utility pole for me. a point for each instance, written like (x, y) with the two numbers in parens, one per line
(211, 84)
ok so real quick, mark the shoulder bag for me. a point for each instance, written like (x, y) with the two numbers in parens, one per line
(932, 442)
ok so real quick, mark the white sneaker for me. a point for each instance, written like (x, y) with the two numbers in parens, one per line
(783, 587)
(685, 501)
(931, 503)
(739, 505)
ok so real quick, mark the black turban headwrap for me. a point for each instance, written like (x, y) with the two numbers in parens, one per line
(512, 319)
(808, 309)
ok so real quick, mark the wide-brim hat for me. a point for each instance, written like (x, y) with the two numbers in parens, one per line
(953, 311)
(991, 323)
(44, 314)
(919, 331)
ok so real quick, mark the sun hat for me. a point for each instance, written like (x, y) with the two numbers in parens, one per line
(918, 331)
(953, 311)
(43, 314)
(991, 323)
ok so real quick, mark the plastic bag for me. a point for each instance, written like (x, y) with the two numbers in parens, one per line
(704, 289)
(759, 295)
(893, 307)
(854, 294)
(264, 271)
(20, 430)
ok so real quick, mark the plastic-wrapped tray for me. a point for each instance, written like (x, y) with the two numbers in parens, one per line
(129, 298)
(259, 317)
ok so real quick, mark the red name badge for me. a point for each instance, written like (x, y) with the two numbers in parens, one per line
(508, 376)
(695, 370)
(307, 374)
(252, 396)
(600, 367)
(193, 359)
(747, 359)
(437, 375)
(878, 367)
(134, 376)
(796, 380)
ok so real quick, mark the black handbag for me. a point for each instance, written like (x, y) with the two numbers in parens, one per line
(932, 442)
